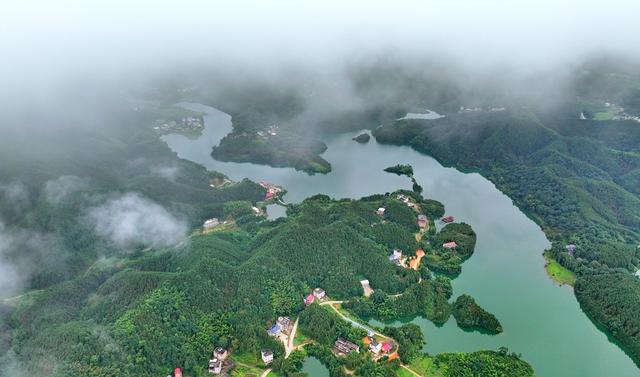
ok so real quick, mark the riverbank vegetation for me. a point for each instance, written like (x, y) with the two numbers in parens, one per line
(602, 296)
(483, 363)
(557, 272)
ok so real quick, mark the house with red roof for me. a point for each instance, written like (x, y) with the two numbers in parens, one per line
(386, 347)
(450, 245)
(309, 299)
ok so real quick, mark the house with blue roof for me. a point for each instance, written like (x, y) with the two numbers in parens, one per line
(274, 330)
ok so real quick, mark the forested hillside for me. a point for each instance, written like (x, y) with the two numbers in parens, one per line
(143, 308)
(582, 189)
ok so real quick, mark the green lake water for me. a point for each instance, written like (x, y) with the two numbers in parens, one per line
(506, 275)
(314, 368)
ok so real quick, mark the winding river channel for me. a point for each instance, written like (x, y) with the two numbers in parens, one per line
(506, 275)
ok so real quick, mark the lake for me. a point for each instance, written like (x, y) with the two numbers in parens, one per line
(506, 275)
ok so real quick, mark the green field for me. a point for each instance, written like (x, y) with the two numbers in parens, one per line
(605, 115)
(558, 272)
(423, 365)
(242, 371)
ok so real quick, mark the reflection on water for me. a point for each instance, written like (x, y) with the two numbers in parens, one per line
(505, 275)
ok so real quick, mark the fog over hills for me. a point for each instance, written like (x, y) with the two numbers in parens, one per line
(105, 269)
(110, 44)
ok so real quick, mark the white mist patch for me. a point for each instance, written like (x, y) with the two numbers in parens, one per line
(10, 277)
(16, 194)
(58, 189)
(132, 220)
(167, 172)
(19, 250)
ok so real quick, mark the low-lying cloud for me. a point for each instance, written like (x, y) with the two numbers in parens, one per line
(132, 220)
(10, 276)
(20, 249)
(15, 194)
(58, 189)
(167, 172)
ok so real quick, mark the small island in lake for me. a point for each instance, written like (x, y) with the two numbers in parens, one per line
(363, 138)
(284, 149)
(470, 315)
(401, 169)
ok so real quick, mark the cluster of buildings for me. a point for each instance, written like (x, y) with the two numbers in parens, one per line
(317, 294)
(620, 114)
(281, 330)
(211, 223)
(272, 189)
(625, 116)
(423, 221)
(414, 262)
(218, 361)
(475, 109)
(376, 347)
(272, 130)
(216, 182)
(344, 347)
(186, 124)
(408, 201)
(281, 327)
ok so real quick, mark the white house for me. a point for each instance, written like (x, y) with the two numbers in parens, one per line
(319, 293)
(211, 223)
(267, 356)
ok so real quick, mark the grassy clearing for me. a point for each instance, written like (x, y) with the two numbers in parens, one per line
(424, 365)
(243, 371)
(401, 372)
(299, 339)
(246, 358)
(559, 273)
(605, 115)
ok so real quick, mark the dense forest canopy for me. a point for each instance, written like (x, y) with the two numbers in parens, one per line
(578, 178)
(138, 305)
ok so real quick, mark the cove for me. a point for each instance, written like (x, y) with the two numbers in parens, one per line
(506, 275)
